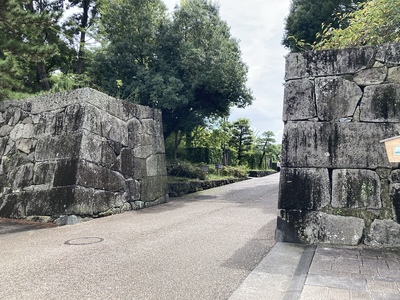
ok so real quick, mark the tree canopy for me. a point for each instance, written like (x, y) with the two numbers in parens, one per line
(376, 22)
(242, 139)
(188, 66)
(306, 17)
(25, 32)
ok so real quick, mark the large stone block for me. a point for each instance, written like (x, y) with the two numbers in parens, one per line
(318, 227)
(389, 54)
(328, 62)
(155, 165)
(393, 75)
(58, 147)
(93, 202)
(356, 189)
(65, 172)
(91, 147)
(299, 100)
(153, 188)
(94, 176)
(336, 98)
(384, 233)
(381, 103)
(371, 76)
(51, 202)
(114, 129)
(304, 189)
(336, 145)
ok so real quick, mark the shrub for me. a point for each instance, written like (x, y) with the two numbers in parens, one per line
(184, 169)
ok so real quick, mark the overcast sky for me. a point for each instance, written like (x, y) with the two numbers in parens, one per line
(258, 25)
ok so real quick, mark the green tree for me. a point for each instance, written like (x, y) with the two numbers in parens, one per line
(208, 64)
(242, 139)
(263, 144)
(306, 17)
(130, 52)
(190, 66)
(25, 43)
(79, 26)
(377, 22)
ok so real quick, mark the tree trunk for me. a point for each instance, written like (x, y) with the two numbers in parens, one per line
(82, 40)
(42, 76)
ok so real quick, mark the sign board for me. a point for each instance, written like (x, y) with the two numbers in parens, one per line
(392, 146)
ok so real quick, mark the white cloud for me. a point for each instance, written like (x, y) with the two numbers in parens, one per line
(258, 25)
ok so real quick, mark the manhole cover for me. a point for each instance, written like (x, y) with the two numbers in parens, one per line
(84, 241)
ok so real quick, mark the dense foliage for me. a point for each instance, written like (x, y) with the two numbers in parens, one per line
(190, 66)
(306, 17)
(376, 22)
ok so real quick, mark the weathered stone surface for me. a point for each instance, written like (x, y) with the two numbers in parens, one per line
(51, 202)
(21, 177)
(299, 100)
(389, 54)
(21, 131)
(127, 162)
(65, 172)
(384, 233)
(114, 129)
(395, 176)
(155, 165)
(68, 220)
(92, 119)
(356, 189)
(58, 147)
(381, 103)
(304, 189)
(79, 152)
(133, 189)
(319, 227)
(336, 98)
(44, 173)
(5, 130)
(333, 145)
(393, 75)
(328, 62)
(92, 202)
(394, 195)
(91, 148)
(95, 176)
(371, 76)
(153, 187)
(26, 145)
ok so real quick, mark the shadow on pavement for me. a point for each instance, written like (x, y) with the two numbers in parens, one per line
(15, 225)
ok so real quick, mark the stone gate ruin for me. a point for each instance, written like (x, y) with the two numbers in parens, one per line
(337, 185)
(79, 153)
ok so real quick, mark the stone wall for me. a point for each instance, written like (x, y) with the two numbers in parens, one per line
(79, 153)
(337, 185)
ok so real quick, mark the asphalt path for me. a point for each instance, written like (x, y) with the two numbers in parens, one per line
(200, 246)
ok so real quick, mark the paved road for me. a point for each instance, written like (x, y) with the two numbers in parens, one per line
(201, 246)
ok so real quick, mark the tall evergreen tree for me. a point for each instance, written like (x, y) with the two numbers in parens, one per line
(242, 139)
(23, 34)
